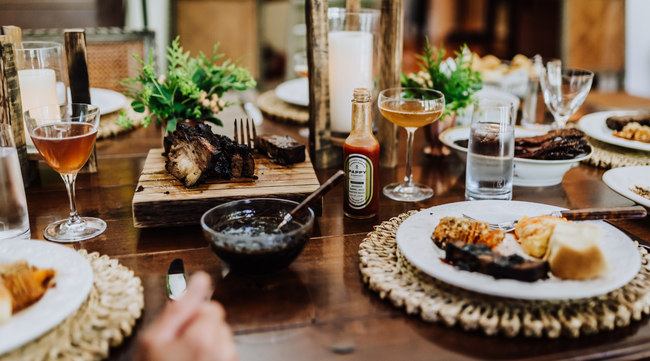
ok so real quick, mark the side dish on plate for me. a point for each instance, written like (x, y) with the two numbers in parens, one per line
(22, 285)
(630, 127)
(561, 144)
(566, 250)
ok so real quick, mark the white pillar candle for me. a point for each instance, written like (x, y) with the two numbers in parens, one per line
(350, 66)
(37, 88)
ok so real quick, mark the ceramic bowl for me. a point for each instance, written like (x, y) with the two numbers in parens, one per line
(528, 172)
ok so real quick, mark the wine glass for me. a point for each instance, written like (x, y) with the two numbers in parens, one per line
(564, 90)
(410, 108)
(65, 136)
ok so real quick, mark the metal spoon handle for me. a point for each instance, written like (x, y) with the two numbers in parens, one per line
(318, 194)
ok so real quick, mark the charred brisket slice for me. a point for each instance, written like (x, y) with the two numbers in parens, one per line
(554, 145)
(195, 153)
(283, 150)
(480, 258)
(240, 160)
(192, 155)
(619, 122)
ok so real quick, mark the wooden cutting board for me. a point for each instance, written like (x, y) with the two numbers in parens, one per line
(161, 200)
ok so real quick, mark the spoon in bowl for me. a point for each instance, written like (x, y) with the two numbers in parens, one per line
(316, 195)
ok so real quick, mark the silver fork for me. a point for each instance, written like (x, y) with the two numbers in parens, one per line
(239, 133)
(578, 214)
(504, 226)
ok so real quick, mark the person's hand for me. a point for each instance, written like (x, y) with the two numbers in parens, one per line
(189, 329)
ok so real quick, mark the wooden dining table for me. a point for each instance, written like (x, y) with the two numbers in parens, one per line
(318, 308)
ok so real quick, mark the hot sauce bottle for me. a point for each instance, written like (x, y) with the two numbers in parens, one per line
(361, 154)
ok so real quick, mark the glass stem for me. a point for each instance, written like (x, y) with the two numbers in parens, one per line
(561, 121)
(408, 176)
(69, 180)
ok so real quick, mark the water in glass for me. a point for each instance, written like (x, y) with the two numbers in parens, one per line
(490, 160)
(14, 220)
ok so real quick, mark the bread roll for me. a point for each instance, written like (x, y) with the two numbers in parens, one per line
(574, 251)
(5, 304)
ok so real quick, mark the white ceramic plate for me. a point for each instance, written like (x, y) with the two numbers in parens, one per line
(294, 91)
(594, 125)
(74, 279)
(414, 241)
(108, 101)
(528, 172)
(621, 180)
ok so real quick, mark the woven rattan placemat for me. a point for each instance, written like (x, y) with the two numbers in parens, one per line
(280, 111)
(387, 272)
(612, 156)
(114, 304)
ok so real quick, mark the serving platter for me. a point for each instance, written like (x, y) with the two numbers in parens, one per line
(73, 281)
(414, 241)
(622, 180)
(161, 200)
(594, 126)
(527, 172)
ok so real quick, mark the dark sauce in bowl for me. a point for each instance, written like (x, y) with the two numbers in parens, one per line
(254, 246)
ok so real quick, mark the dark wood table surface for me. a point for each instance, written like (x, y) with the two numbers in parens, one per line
(318, 308)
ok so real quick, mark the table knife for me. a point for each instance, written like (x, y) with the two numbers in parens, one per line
(176, 281)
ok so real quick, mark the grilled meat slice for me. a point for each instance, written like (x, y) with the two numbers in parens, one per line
(619, 122)
(480, 258)
(192, 155)
(554, 145)
(552, 134)
(240, 160)
(196, 153)
(283, 150)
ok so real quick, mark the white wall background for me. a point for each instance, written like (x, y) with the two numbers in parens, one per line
(637, 47)
(158, 20)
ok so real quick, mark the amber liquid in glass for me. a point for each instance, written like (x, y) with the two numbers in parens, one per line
(65, 146)
(409, 114)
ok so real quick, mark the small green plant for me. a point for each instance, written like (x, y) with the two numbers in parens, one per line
(190, 89)
(457, 81)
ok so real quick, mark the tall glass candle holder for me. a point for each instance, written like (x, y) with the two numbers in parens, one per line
(353, 47)
(42, 75)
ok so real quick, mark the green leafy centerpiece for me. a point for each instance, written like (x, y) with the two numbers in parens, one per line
(191, 89)
(454, 77)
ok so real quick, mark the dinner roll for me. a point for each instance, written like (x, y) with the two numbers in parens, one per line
(574, 251)
(5, 304)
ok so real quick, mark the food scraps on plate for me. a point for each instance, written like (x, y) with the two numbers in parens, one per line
(630, 127)
(566, 250)
(22, 285)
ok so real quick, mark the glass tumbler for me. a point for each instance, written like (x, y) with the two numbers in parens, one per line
(14, 220)
(491, 151)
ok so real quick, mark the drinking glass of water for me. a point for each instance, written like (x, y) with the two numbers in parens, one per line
(491, 151)
(14, 220)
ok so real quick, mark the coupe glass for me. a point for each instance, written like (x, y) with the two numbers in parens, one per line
(410, 108)
(42, 75)
(564, 90)
(65, 136)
